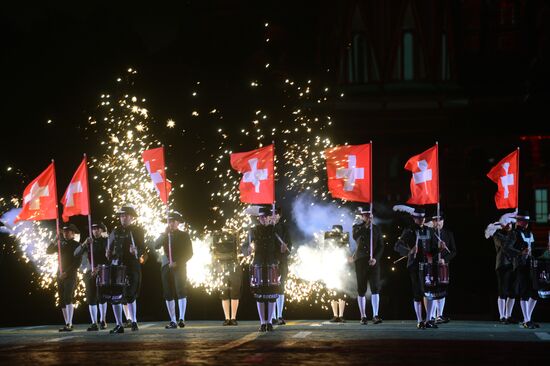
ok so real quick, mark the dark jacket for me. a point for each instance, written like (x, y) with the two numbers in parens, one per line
(266, 245)
(282, 231)
(361, 235)
(99, 246)
(504, 246)
(120, 242)
(427, 244)
(449, 239)
(524, 239)
(69, 263)
(182, 247)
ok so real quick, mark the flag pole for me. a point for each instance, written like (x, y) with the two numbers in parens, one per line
(371, 199)
(57, 220)
(273, 205)
(89, 214)
(517, 185)
(438, 198)
(167, 209)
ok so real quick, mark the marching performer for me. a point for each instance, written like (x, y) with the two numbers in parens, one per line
(66, 281)
(522, 266)
(264, 276)
(174, 275)
(448, 252)
(125, 246)
(283, 237)
(367, 270)
(419, 244)
(504, 238)
(227, 255)
(338, 237)
(99, 245)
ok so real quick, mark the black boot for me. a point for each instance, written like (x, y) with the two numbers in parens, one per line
(117, 330)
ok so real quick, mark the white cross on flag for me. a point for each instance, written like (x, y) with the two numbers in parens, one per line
(425, 177)
(257, 185)
(39, 197)
(505, 175)
(75, 200)
(154, 163)
(349, 172)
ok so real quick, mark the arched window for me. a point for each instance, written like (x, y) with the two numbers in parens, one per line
(408, 56)
(358, 60)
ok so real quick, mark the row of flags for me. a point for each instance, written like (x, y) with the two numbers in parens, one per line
(40, 195)
(349, 174)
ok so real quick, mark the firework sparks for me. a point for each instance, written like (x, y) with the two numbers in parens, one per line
(33, 238)
(119, 169)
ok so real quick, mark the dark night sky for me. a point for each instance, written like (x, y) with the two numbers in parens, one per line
(58, 59)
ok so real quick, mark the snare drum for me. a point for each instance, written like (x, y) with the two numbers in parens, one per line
(443, 273)
(111, 275)
(434, 279)
(264, 276)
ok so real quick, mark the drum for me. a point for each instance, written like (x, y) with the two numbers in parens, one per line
(434, 279)
(443, 271)
(540, 275)
(273, 276)
(264, 276)
(111, 275)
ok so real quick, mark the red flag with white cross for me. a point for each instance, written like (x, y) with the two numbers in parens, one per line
(257, 184)
(425, 177)
(39, 198)
(75, 199)
(349, 172)
(154, 163)
(505, 174)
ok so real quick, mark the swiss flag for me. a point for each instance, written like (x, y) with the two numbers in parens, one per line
(349, 172)
(39, 198)
(425, 177)
(154, 163)
(75, 199)
(505, 175)
(257, 184)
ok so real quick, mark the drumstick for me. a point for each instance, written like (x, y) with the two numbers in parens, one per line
(400, 259)
(439, 238)
(133, 243)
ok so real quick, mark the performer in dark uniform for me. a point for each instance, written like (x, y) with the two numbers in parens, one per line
(419, 244)
(448, 252)
(504, 238)
(126, 246)
(265, 247)
(336, 237)
(367, 270)
(284, 239)
(99, 244)
(227, 254)
(522, 266)
(66, 280)
(174, 275)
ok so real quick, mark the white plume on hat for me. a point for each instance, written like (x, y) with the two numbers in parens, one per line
(404, 208)
(253, 210)
(507, 218)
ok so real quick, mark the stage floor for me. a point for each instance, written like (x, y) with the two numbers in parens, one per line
(298, 342)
